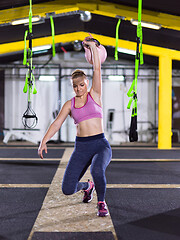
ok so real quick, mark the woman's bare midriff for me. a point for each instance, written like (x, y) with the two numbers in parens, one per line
(90, 127)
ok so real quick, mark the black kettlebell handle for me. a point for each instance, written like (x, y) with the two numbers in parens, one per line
(92, 40)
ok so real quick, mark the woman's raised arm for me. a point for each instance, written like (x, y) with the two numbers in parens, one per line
(96, 81)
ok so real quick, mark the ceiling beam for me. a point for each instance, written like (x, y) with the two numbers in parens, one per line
(107, 41)
(114, 10)
(96, 7)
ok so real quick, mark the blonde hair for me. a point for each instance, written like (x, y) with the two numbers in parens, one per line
(77, 73)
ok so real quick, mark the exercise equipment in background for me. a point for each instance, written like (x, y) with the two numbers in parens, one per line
(132, 93)
(29, 118)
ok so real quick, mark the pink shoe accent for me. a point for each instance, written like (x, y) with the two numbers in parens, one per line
(88, 194)
(102, 209)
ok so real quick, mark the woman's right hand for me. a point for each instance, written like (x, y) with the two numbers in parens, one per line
(87, 43)
(42, 147)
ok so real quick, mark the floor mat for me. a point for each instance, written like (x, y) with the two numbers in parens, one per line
(145, 154)
(27, 172)
(151, 214)
(73, 236)
(29, 153)
(143, 172)
(18, 211)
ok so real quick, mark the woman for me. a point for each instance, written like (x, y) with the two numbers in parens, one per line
(91, 147)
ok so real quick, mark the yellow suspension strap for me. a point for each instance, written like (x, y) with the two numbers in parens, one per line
(29, 118)
(132, 93)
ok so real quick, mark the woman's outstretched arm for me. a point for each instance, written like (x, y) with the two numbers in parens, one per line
(54, 127)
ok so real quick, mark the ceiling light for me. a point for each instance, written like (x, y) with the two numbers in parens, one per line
(126, 51)
(45, 78)
(25, 20)
(41, 48)
(147, 24)
(85, 16)
(118, 78)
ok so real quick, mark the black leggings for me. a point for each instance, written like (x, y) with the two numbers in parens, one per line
(95, 151)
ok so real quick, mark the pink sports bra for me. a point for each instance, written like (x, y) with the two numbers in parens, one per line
(90, 110)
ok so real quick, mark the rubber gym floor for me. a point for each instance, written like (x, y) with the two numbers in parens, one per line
(143, 196)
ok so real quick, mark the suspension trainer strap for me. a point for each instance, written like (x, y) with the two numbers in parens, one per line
(139, 31)
(117, 37)
(25, 48)
(29, 118)
(132, 93)
(30, 16)
(28, 56)
(53, 35)
(26, 83)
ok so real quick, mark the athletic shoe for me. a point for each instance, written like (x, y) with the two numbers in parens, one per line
(102, 209)
(88, 194)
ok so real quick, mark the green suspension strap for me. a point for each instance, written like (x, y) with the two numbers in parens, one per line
(117, 37)
(53, 35)
(132, 93)
(29, 118)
